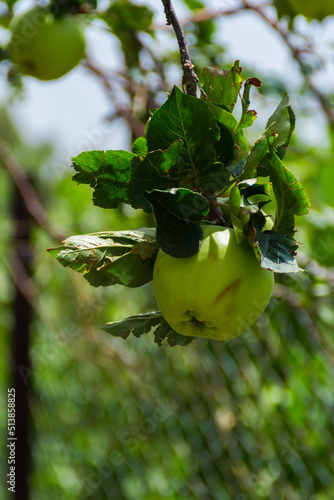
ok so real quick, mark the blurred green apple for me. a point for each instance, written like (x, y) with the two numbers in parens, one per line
(314, 9)
(44, 46)
(218, 293)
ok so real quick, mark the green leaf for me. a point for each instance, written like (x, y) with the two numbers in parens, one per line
(187, 118)
(178, 212)
(155, 171)
(252, 192)
(59, 7)
(290, 196)
(214, 178)
(125, 19)
(258, 152)
(248, 118)
(111, 257)
(139, 147)
(236, 168)
(5, 19)
(258, 219)
(241, 147)
(283, 121)
(10, 4)
(275, 251)
(108, 173)
(144, 323)
(234, 203)
(285, 8)
(194, 4)
(248, 115)
(223, 86)
(224, 148)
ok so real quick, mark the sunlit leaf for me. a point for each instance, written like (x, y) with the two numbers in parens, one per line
(234, 204)
(283, 121)
(290, 196)
(275, 251)
(109, 258)
(223, 86)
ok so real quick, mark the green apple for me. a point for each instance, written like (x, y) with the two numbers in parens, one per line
(218, 293)
(44, 46)
(314, 9)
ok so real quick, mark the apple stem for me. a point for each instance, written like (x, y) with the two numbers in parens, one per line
(189, 78)
(215, 214)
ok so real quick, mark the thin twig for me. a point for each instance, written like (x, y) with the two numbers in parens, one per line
(27, 190)
(136, 126)
(202, 15)
(21, 278)
(296, 54)
(190, 78)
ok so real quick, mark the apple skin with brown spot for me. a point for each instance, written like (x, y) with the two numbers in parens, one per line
(218, 293)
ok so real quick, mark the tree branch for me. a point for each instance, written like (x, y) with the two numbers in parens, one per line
(135, 125)
(189, 79)
(296, 52)
(27, 191)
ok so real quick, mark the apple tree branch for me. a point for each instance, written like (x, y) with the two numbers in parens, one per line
(189, 78)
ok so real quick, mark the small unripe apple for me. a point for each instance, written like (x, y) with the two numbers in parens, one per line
(218, 293)
(44, 46)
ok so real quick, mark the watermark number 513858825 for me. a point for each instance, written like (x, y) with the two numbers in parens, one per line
(11, 445)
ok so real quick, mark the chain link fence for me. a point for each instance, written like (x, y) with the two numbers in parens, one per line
(249, 419)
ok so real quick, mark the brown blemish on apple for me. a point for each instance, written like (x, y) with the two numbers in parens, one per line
(228, 289)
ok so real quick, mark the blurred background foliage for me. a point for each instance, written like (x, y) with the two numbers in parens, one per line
(114, 419)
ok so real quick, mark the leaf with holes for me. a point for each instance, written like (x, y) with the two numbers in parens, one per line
(108, 173)
(223, 86)
(109, 258)
(144, 323)
(275, 251)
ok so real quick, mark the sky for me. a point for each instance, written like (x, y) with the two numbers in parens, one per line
(71, 111)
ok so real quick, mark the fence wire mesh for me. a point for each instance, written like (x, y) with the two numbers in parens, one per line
(249, 419)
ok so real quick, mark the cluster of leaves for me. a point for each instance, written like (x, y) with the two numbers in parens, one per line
(193, 166)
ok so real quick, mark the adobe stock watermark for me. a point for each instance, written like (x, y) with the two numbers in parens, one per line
(11, 440)
(42, 355)
(257, 315)
(30, 24)
(265, 478)
(90, 140)
(131, 441)
(323, 248)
